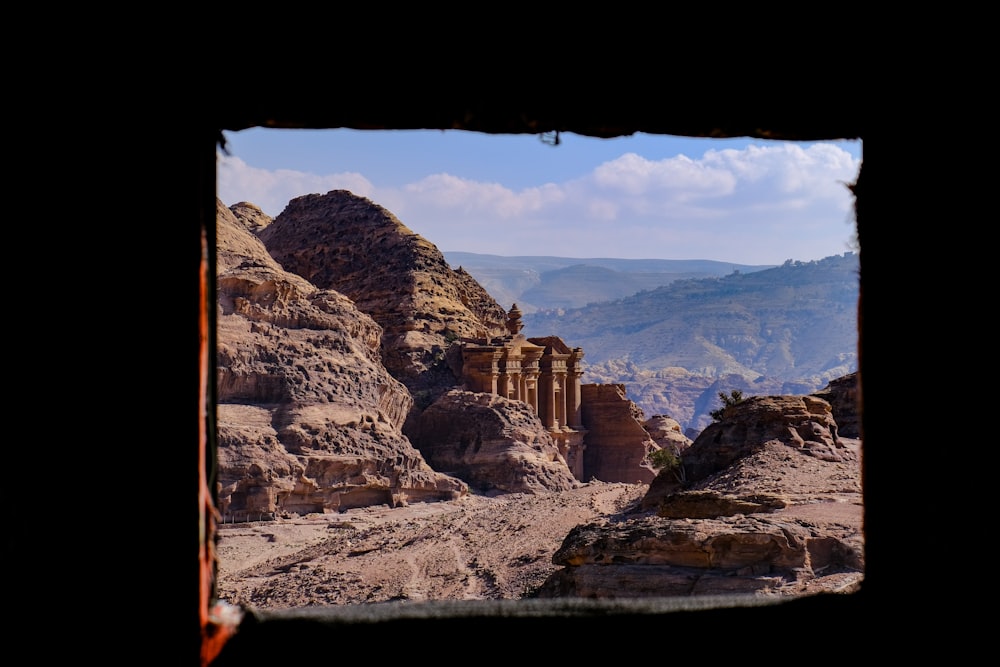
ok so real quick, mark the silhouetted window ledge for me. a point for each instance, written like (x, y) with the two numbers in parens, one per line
(268, 635)
(560, 607)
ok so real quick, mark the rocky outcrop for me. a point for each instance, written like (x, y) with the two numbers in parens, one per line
(733, 516)
(348, 243)
(251, 216)
(804, 423)
(617, 447)
(708, 504)
(842, 395)
(494, 443)
(656, 557)
(666, 433)
(309, 420)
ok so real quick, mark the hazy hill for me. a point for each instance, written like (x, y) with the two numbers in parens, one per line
(784, 330)
(540, 283)
(793, 321)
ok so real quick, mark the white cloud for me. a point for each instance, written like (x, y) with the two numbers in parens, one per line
(760, 204)
(458, 195)
(680, 176)
(272, 190)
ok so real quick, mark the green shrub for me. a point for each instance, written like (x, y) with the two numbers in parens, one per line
(664, 458)
(667, 459)
(735, 396)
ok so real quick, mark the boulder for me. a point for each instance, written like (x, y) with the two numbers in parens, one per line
(497, 445)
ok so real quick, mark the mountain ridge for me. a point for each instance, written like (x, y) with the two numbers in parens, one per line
(546, 281)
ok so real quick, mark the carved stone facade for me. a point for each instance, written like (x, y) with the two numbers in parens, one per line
(542, 372)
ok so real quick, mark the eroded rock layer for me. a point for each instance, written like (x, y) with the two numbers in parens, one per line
(654, 557)
(309, 419)
(617, 443)
(494, 443)
(735, 514)
(350, 244)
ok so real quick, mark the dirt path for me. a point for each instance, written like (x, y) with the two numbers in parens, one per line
(473, 548)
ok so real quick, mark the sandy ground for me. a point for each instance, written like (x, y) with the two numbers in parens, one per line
(478, 547)
(473, 548)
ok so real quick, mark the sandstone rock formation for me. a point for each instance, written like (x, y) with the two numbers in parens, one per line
(656, 557)
(493, 443)
(842, 395)
(251, 217)
(733, 518)
(803, 423)
(666, 433)
(347, 243)
(309, 419)
(617, 444)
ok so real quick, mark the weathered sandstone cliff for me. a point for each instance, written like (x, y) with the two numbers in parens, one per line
(802, 424)
(308, 418)
(493, 443)
(617, 443)
(344, 242)
(666, 433)
(842, 395)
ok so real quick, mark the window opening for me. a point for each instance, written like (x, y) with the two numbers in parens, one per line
(614, 174)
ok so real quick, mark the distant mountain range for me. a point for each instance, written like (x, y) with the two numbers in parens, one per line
(677, 332)
(540, 283)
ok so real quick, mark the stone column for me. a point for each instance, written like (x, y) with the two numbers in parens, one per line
(574, 370)
(548, 390)
(560, 398)
(512, 368)
(506, 377)
(559, 388)
(529, 374)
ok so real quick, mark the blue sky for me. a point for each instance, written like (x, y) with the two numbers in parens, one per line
(745, 201)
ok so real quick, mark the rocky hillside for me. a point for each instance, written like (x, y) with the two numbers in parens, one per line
(309, 419)
(785, 330)
(314, 411)
(737, 514)
(343, 242)
(793, 321)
